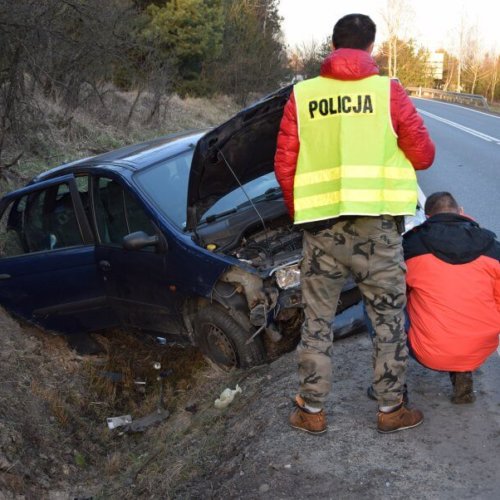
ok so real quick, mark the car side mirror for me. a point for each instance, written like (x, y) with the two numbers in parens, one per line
(140, 239)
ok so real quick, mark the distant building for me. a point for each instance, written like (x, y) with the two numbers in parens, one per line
(435, 64)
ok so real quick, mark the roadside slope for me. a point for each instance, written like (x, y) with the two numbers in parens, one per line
(55, 442)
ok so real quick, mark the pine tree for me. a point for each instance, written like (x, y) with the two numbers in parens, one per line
(189, 32)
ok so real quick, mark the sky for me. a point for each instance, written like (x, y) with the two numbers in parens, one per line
(433, 23)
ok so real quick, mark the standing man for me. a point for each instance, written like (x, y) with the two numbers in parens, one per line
(453, 292)
(348, 145)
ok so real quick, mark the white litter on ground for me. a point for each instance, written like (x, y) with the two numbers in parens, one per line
(226, 397)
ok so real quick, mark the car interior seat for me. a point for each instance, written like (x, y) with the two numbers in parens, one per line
(62, 224)
(111, 197)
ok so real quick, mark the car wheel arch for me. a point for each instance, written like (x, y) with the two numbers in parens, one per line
(220, 334)
(225, 308)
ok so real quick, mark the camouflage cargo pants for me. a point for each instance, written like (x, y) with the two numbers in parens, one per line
(368, 248)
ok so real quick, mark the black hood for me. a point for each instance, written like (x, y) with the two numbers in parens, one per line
(242, 148)
(450, 237)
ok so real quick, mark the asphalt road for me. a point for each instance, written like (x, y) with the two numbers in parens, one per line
(467, 158)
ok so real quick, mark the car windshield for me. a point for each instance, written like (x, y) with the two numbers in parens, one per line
(237, 198)
(167, 183)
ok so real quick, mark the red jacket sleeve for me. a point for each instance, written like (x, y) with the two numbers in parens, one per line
(287, 151)
(413, 137)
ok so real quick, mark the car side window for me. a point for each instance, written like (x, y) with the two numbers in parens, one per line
(118, 213)
(11, 240)
(40, 221)
(35, 227)
(60, 219)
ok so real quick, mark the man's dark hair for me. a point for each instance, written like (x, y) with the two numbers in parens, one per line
(354, 31)
(440, 202)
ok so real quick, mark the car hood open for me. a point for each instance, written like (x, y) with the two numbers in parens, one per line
(240, 149)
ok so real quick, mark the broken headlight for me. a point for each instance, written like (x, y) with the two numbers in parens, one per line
(288, 277)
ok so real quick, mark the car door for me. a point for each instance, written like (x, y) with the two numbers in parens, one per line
(48, 271)
(135, 280)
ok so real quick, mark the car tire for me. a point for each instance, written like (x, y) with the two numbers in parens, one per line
(223, 340)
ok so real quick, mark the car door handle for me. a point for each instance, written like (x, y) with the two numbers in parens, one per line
(104, 265)
(4, 276)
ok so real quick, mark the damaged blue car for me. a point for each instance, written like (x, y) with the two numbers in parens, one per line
(185, 237)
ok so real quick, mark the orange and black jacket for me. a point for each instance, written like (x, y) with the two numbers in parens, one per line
(453, 283)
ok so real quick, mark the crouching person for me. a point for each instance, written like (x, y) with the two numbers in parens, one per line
(453, 281)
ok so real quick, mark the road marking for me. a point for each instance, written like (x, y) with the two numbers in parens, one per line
(463, 128)
(458, 106)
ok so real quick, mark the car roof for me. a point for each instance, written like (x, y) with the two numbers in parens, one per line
(133, 157)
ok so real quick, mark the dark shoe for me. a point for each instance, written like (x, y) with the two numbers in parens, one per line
(462, 388)
(371, 394)
(398, 420)
(300, 418)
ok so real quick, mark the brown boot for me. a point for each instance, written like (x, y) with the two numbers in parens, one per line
(462, 388)
(300, 418)
(399, 419)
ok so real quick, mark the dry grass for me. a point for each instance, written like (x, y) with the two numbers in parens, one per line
(58, 403)
(102, 125)
(13, 483)
(53, 398)
(126, 379)
(114, 463)
(494, 107)
(55, 404)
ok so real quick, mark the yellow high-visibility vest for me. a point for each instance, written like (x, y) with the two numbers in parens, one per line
(349, 162)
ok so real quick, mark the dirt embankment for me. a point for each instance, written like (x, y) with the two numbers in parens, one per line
(54, 441)
(54, 404)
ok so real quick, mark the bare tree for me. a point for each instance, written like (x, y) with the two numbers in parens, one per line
(494, 76)
(465, 35)
(449, 70)
(306, 58)
(475, 69)
(396, 16)
(57, 50)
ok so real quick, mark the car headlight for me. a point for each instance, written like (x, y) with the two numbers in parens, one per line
(288, 277)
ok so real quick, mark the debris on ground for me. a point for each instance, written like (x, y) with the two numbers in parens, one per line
(114, 422)
(141, 424)
(226, 397)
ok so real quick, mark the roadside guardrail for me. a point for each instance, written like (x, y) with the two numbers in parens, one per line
(455, 97)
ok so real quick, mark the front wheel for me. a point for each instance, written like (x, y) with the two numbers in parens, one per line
(223, 341)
